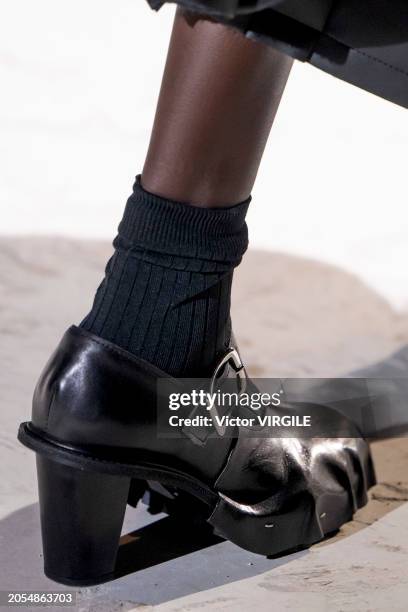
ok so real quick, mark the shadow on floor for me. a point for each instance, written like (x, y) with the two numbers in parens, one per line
(160, 561)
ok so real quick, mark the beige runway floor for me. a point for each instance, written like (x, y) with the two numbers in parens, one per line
(293, 317)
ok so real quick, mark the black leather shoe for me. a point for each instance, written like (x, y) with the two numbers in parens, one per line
(94, 431)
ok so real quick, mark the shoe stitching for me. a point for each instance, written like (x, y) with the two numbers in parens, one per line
(360, 52)
(380, 61)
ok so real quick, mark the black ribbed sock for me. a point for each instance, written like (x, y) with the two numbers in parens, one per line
(166, 293)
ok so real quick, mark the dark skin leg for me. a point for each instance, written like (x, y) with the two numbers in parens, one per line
(218, 99)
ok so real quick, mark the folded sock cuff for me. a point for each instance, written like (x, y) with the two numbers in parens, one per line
(176, 228)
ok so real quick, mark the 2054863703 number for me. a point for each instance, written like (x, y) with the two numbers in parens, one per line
(40, 598)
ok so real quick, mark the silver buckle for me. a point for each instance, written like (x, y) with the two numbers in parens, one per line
(231, 359)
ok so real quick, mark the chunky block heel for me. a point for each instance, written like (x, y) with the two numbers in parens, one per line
(81, 520)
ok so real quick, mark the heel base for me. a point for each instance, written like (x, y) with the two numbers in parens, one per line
(81, 520)
(80, 582)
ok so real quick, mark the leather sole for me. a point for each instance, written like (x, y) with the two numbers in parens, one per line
(83, 500)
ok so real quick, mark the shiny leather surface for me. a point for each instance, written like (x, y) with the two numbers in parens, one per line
(296, 492)
(364, 43)
(327, 478)
(95, 396)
